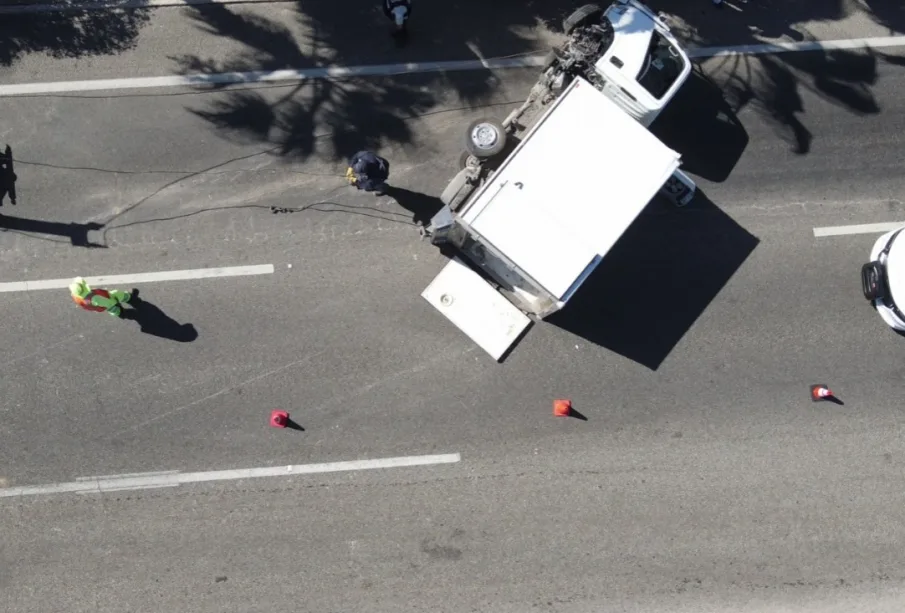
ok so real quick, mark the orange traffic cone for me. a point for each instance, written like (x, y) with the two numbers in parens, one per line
(562, 408)
(279, 419)
(820, 391)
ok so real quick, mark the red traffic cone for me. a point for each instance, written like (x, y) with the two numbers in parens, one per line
(820, 391)
(279, 419)
(562, 408)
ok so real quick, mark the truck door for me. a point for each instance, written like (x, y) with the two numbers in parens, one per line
(476, 308)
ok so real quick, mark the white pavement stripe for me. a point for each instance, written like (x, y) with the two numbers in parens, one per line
(128, 475)
(145, 277)
(270, 76)
(878, 42)
(866, 228)
(386, 70)
(55, 7)
(138, 481)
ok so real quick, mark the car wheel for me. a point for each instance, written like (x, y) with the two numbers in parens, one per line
(485, 138)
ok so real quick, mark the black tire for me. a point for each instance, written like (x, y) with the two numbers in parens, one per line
(485, 138)
(581, 17)
(463, 160)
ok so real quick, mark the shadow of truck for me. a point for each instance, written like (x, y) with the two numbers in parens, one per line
(700, 124)
(657, 280)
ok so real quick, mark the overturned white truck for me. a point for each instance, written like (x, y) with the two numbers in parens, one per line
(543, 196)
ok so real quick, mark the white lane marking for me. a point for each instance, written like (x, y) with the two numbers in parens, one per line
(865, 228)
(877, 42)
(145, 277)
(387, 70)
(135, 481)
(269, 76)
(127, 481)
(54, 7)
(128, 475)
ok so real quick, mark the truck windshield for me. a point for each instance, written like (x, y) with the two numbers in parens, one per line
(662, 66)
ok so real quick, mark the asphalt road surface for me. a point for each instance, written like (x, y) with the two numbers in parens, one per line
(703, 479)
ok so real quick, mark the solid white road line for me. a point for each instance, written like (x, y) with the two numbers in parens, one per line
(866, 228)
(54, 7)
(386, 70)
(878, 42)
(138, 481)
(145, 277)
(270, 76)
(128, 481)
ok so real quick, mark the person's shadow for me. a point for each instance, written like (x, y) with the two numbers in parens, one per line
(76, 232)
(7, 176)
(422, 206)
(155, 322)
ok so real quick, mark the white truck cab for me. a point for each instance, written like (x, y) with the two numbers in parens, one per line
(883, 278)
(628, 52)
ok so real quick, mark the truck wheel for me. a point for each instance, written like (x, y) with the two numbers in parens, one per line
(463, 159)
(581, 17)
(457, 191)
(485, 138)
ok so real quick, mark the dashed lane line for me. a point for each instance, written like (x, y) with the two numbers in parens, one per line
(865, 228)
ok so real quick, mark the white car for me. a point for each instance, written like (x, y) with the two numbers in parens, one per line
(883, 278)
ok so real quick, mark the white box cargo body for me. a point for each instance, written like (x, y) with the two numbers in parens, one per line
(550, 213)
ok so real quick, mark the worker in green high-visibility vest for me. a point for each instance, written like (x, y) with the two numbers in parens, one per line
(98, 299)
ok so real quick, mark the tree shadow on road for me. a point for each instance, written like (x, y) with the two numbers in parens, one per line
(840, 77)
(343, 115)
(773, 84)
(355, 113)
(657, 280)
(155, 322)
(352, 113)
(888, 13)
(67, 33)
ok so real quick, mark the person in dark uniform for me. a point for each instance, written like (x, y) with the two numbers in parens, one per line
(368, 171)
(398, 11)
(7, 176)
